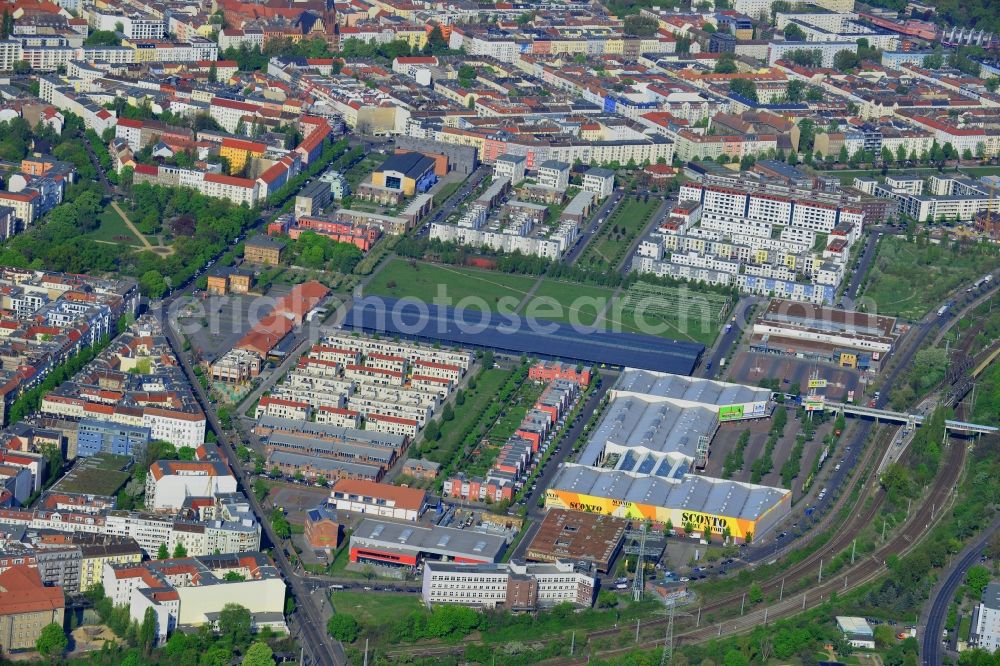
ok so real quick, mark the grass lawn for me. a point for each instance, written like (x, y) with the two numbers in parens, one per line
(488, 384)
(113, 229)
(421, 280)
(618, 232)
(502, 429)
(374, 609)
(446, 191)
(680, 313)
(362, 170)
(567, 302)
(909, 279)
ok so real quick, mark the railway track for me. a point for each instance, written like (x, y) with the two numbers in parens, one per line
(866, 570)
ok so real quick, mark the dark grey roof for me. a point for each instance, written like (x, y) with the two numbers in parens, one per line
(411, 165)
(471, 328)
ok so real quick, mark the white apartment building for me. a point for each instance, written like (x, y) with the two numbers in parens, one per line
(986, 620)
(599, 181)
(230, 37)
(135, 25)
(511, 167)
(237, 190)
(192, 591)
(554, 174)
(178, 428)
(170, 482)
(513, 585)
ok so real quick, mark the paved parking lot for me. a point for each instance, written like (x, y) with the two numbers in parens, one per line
(214, 324)
(297, 499)
(749, 368)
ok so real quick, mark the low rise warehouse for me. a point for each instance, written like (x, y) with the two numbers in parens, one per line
(845, 338)
(638, 462)
(577, 536)
(407, 545)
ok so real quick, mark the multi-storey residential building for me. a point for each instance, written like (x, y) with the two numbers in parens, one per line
(26, 607)
(96, 436)
(192, 591)
(516, 586)
(170, 482)
(986, 620)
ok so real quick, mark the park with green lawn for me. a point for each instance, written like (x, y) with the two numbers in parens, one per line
(910, 278)
(616, 234)
(402, 278)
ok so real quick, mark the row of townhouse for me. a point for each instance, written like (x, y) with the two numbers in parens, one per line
(73, 562)
(514, 460)
(508, 47)
(759, 242)
(56, 53)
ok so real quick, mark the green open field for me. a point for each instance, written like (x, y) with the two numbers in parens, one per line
(357, 173)
(847, 176)
(502, 429)
(617, 233)
(910, 279)
(113, 229)
(477, 400)
(681, 313)
(378, 609)
(421, 280)
(567, 302)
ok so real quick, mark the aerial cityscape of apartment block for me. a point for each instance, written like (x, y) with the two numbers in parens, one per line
(618, 332)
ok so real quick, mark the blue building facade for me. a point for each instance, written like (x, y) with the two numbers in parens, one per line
(93, 436)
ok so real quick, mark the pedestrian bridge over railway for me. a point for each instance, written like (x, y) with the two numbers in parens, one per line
(903, 417)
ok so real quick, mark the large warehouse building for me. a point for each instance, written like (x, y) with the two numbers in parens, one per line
(512, 334)
(639, 461)
(845, 338)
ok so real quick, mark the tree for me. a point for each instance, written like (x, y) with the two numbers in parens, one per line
(258, 654)
(842, 156)
(793, 33)
(967, 154)
(814, 94)
(901, 154)
(886, 155)
(432, 432)
(795, 90)
(745, 88)
(755, 594)
(213, 73)
(180, 550)
(152, 284)
(725, 64)
(235, 623)
(6, 25)
(934, 61)
(342, 627)
(977, 578)
(640, 26)
(147, 630)
(846, 60)
(52, 642)
(162, 553)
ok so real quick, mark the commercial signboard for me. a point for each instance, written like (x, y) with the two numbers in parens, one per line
(738, 528)
(730, 412)
(746, 410)
(813, 403)
(817, 383)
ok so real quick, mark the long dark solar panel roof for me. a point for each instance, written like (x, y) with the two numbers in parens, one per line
(519, 335)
